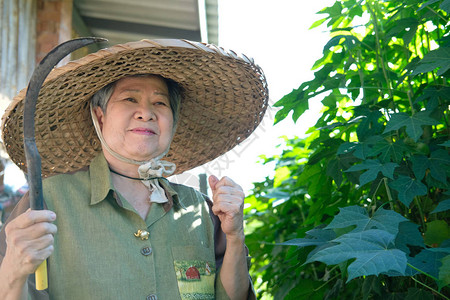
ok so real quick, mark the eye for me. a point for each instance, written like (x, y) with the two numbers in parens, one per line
(161, 103)
(130, 99)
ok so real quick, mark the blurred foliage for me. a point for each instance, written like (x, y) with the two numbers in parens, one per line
(360, 208)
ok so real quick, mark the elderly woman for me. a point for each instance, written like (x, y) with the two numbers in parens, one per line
(115, 227)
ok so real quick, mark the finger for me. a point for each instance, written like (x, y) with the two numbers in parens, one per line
(228, 190)
(31, 217)
(229, 209)
(227, 181)
(16, 232)
(236, 202)
(212, 182)
(41, 229)
(42, 243)
(36, 237)
(32, 259)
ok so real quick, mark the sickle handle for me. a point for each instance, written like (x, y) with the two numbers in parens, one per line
(31, 152)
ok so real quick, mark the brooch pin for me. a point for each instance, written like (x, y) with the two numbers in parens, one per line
(143, 234)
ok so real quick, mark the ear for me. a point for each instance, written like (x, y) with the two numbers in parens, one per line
(100, 115)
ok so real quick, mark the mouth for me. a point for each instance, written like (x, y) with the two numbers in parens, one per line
(143, 131)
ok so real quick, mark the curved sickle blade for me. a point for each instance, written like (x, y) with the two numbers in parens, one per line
(31, 152)
(37, 79)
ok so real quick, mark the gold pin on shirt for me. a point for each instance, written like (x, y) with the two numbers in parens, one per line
(143, 234)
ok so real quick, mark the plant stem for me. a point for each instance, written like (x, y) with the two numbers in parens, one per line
(388, 192)
(424, 273)
(334, 277)
(413, 111)
(435, 12)
(410, 90)
(361, 75)
(429, 49)
(374, 197)
(422, 219)
(429, 287)
(301, 212)
(379, 50)
(314, 272)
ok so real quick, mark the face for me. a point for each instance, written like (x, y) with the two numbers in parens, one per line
(138, 120)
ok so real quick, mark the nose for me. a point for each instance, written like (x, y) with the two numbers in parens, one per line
(145, 112)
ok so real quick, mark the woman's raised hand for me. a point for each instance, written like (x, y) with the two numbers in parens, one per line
(228, 205)
(29, 240)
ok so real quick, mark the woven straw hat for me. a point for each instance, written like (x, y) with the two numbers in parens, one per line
(224, 97)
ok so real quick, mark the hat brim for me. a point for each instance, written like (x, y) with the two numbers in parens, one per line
(224, 98)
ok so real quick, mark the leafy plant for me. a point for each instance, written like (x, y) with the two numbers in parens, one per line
(360, 208)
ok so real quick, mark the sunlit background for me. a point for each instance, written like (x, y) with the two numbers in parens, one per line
(276, 35)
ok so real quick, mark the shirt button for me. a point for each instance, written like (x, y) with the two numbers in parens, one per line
(146, 251)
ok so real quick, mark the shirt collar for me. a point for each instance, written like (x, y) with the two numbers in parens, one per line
(171, 194)
(101, 184)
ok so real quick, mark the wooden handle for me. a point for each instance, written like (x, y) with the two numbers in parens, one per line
(41, 276)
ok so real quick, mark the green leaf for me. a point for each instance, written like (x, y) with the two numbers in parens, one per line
(413, 123)
(389, 151)
(277, 194)
(429, 2)
(315, 237)
(306, 289)
(426, 261)
(383, 219)
(431, 182)
(321, 153)
(295, 101)
(437, 232)
(395, 296)
(445, 5)
(374, 167)
(408, 236)
(335, 291)
(408, 188)
(419, 166)
(371, 285)
(439, 58)
(281, 174)
(360, 150)
(369, 125)
(444, 272)
(315, 177)
(334, 171)
(317, 23)
(432, 95)
(416, 293)
(438, 164)
(348, 40)
(334, 10)
(442, 206)
(345, 162)
(447, 143)
(400, 29)
(372, 250)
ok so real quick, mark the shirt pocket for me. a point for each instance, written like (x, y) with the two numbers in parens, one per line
(195, 269)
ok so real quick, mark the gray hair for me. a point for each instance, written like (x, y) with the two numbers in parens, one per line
(101, 97)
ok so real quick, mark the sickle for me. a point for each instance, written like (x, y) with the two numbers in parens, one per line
(31, 152)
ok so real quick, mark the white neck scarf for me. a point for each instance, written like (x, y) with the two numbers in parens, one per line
(147, 170)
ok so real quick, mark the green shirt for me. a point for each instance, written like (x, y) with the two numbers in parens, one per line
(98, 256)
